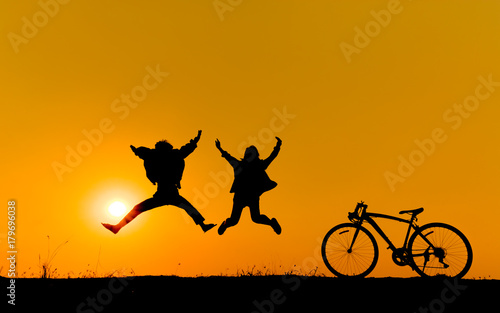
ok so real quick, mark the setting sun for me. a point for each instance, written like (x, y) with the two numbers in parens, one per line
(156, 150)
(117, 208)
(394, 103)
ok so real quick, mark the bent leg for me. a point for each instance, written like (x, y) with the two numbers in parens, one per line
(239, 202)
(255, 213)
(235, 214)
(261, 218)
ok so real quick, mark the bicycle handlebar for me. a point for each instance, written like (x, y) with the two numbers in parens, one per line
(358, 211)
(361, 205)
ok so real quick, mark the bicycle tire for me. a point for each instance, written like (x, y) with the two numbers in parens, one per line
(358, 263)
(452, 246)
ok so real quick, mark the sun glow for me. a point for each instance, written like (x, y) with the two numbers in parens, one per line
(117, 208)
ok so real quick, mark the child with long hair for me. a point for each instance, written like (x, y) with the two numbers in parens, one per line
(250, 182)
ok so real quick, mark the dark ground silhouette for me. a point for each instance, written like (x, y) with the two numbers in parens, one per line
(264, 294)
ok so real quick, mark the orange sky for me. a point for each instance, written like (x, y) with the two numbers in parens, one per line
(353, 89)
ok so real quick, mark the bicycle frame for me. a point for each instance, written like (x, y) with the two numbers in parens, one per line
(433, 249)
(368, 217)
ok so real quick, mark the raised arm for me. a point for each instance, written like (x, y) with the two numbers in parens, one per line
(141, 152)
(232, 160)
(188, 148)
(273, 154)
(197, 138)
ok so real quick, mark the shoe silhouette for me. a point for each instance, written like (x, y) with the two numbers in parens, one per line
(222, 228)
(164, 167)
(250, 182)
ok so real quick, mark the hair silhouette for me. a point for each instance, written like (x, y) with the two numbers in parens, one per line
(163, 145)
(251, 153)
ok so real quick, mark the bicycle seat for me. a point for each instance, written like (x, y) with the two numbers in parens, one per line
(414, 211)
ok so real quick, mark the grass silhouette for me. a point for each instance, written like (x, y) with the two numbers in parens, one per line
(45, 266)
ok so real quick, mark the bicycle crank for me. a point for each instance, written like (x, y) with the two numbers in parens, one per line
(400, 257)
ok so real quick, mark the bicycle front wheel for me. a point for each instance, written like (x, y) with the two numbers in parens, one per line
(345, 258)
(440, 249)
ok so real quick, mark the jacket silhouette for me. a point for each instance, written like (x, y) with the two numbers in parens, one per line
(250, 175)
(250, 182)
(164, 166)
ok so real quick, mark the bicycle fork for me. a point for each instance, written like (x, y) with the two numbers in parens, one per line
(353, 239)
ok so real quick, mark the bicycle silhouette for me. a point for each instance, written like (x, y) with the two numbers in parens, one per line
(350, 250)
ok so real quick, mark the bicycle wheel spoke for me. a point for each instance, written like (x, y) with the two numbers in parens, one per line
(345, 258)
(449, 253)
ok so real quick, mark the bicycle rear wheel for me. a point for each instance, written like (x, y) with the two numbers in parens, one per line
(440, 249)
(358, 262)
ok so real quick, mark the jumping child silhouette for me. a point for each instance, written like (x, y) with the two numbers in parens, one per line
(165, 166)
(250, 182)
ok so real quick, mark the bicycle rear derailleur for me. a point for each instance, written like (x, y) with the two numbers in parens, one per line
(439, 253)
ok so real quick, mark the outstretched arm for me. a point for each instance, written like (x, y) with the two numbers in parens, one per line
(141, 152)
(197, 138)
(188, 148)
(232, 160)
(274, 154)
